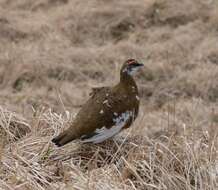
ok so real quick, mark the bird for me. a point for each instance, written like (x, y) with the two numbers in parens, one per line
(107, 112)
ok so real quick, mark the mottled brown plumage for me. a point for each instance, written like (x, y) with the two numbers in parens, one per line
(108, 111)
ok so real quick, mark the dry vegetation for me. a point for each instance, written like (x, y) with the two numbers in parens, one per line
(53, 51)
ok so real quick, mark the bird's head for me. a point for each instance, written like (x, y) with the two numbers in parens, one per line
(130, 66)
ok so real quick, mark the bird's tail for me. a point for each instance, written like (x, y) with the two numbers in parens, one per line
(62, 139)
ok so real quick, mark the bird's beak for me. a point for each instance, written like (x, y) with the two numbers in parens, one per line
(139, 64)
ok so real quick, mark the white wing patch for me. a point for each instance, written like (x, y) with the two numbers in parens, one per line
(137, 97)
(107, 103)
(103, 133)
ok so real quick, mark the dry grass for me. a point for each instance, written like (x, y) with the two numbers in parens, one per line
(53, 52)
(181, 154)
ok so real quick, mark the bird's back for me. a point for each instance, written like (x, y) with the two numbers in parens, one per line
(102, 109)
(105, 105)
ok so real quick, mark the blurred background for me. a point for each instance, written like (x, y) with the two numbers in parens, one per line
(52, 49)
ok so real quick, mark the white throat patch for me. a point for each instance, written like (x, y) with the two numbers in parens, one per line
(131, 71)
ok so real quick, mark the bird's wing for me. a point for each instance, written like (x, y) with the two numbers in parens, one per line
(101, 117)
(100, 135)
(116, 113)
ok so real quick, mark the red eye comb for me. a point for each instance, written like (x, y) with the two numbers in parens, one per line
(131, 61)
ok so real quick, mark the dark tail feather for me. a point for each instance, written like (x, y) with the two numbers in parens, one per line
(63, 139)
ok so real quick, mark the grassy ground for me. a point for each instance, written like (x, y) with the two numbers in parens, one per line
(53, 52)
